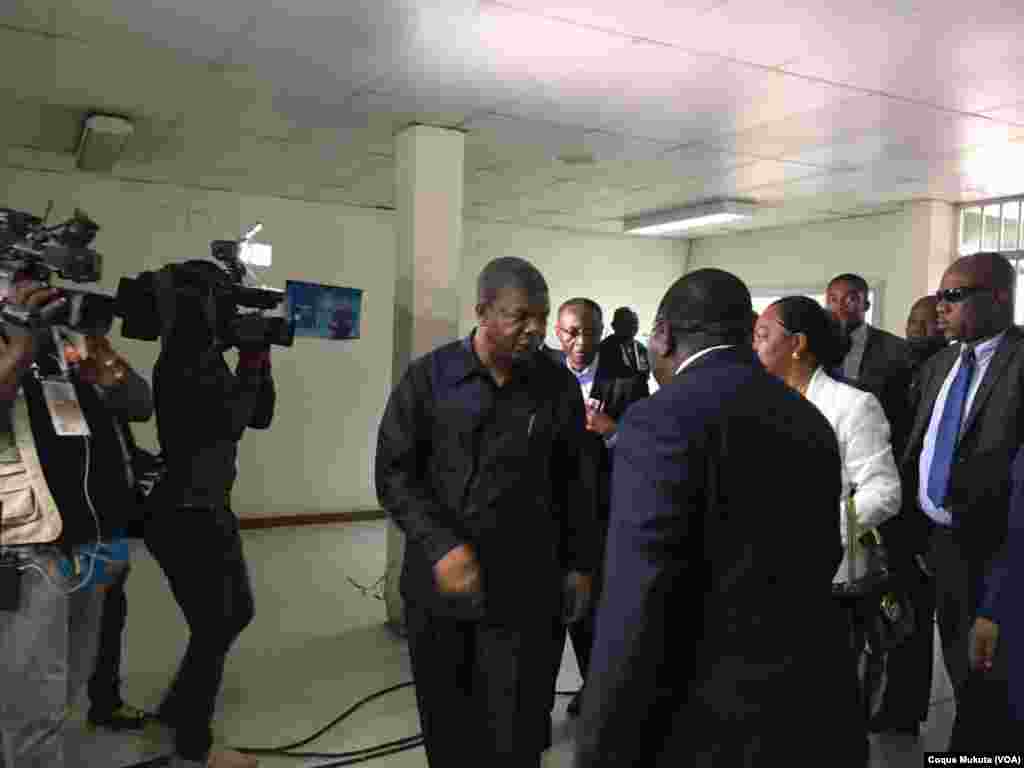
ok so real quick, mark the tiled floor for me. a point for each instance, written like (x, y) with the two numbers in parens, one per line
(319, 645)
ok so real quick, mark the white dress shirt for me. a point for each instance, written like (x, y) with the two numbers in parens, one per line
(586, 376)
(983, 354)
(865, 451)
(697, 356)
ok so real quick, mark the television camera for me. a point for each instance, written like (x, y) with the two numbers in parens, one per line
(30, 250)
(236, 309)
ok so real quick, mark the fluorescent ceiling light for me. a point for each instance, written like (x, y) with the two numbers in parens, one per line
(680, 219)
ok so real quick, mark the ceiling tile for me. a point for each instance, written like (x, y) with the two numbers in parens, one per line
(27, 65)
(28, 14)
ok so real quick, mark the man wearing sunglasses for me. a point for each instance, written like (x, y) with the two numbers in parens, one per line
(956, 469)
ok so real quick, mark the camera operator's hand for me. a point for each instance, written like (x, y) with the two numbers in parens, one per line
(103, 366)
(254, 356)
(18, 345)
(31, 295)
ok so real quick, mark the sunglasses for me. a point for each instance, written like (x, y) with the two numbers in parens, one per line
(956, 295)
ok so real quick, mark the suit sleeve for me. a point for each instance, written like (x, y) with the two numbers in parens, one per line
(995, 601)
(870, 464)
(576, 460)
(403, 452)
(650, 561)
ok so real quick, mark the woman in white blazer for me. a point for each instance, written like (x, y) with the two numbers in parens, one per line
(797, 341)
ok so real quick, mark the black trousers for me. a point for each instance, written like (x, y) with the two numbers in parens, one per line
(907, 696)
(483, 691)
(105, 683)
(200, 552)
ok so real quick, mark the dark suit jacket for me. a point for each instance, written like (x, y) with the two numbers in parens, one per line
(614, 355)
(980, 479)
(617, 387)
(717, 617)
(1003, 589)
(885, 372)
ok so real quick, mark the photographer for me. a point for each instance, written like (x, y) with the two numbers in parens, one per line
(202, 409)
(63, 491)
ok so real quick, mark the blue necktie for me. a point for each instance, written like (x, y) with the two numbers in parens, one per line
(949, 430)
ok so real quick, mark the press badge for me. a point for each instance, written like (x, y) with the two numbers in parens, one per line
(65, 410)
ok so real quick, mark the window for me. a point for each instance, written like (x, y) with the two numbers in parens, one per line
(996, 226)
(992, 226)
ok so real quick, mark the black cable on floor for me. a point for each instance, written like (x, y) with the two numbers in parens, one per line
(357, 755)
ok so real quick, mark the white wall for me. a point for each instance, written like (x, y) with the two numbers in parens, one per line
(612, 270)
(880, 248)
(316, 456)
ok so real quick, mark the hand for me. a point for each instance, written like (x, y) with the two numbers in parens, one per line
(601, 423)
(458, 572)
(578, 590)
(981, 644)
(31, 295)
(254, 355)
(103, 365)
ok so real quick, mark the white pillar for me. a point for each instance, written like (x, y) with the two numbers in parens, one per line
(931, 234)
(428, 207)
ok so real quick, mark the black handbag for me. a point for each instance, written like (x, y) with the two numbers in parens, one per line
(879, 601)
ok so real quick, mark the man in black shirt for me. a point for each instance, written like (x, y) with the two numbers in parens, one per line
(202, 409)
(481, 461)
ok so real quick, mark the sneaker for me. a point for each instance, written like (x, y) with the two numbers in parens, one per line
(124, 718)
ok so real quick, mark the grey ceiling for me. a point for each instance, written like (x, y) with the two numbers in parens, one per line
(577, 113)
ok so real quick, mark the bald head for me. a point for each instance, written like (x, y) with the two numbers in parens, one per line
(710, 302)
(992, 270)
(922, 322)
(625, 323)
(976, 297)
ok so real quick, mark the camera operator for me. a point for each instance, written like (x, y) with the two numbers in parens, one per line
(202, 409)
(63, 490)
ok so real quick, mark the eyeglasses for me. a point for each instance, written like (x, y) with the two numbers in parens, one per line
(956, 295)
(579, 333)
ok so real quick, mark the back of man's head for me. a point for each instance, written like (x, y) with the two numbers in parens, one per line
(711, 305)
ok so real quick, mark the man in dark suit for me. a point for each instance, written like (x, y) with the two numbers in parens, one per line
(718, 642)
(621, 349)
(607, 389)
(969, 423)
(923, 336)
(880, 363)
(996, 641)
(877, 360)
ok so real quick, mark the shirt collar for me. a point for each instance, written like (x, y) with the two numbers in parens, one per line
(985, 349)
(695, 357)
(469, 364)
(586, 373)
(860, 333)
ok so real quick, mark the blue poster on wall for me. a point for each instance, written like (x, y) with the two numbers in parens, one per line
(324, 311)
